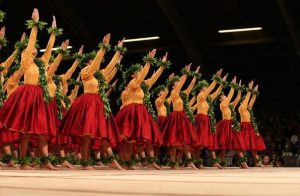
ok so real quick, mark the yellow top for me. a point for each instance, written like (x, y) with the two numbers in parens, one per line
(243, 109)
(224, 106)
(202, 105)
(175, 98)
(159, 103)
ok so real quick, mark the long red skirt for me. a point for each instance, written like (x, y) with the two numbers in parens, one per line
(178, 130)
(228, 138)
(161, 120)
(24, 111)
(252, 140)
(53, 121)
(135, 123)
(206, 138)
(86, 117)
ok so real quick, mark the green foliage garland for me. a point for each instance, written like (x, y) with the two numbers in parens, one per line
(102, 87)
(106, 47)
(168, 107)
(67, 102)
(166, 64)
(58, 95)
(236, 123)
(3, 42)
(147, 100)
(2, 93)
(31, 23)
(64, 52)
(149, 59)
(211, 115)
(2, 16)
(57, 31)
(187, 109)
(42, 79)
(122, 50)
(253, 121)
(127, 74)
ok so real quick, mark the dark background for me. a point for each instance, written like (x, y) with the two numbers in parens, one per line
(188, 31)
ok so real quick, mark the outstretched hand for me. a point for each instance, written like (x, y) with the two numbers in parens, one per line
(54, 23)
(234, 80)
(35, 15)
(80, 50)
(165, 58)
(152, 53)
(219, 72)
(106, 39)
(65, 44)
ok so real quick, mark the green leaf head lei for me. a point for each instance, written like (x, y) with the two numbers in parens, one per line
(198, 87)
(158, 89)
(85, 58)
(122, 50)
(170, 83)
(126, 75)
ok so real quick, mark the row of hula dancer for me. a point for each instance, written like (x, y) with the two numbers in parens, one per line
(39, 113)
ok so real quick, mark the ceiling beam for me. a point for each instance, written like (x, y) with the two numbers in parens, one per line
(291, 21)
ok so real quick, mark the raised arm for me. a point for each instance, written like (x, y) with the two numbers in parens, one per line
(2, 36)
(218, 91)
(157, 74)
(247, 98)
(111, 75)
(33, 35)
(253, 98)
(111, 88)
(108, 69)
(146, 68)
(6, 64)
(17, 76)
(47, 54)
(74, 93)
(70, 71)
(192, 101)
(95, 65)
(55, 64)
(166, 92)
(211, 86)
(192, 84)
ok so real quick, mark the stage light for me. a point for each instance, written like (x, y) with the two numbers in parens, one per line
(240, 30)
(53, 49)
(141, 39)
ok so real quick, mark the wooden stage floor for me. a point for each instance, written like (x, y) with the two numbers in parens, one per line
(210, 181)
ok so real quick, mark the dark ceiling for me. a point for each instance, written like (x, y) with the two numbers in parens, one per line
(188, 31)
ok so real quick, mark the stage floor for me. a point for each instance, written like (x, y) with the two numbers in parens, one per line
(210, 181)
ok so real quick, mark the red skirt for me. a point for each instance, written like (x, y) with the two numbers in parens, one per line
(228, 138)
(24, 111)
(53, 121)
(252, 140)
(135, 123)
(178, 130)
(86, 117)
(161, 120)
(7, 136)
(206, 138)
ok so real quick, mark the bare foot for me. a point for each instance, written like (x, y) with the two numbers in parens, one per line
(88, 168)
(201, 167)
(11, 163)
(115, 165)
(26, 167)
(217, 165)
(192, 166)
(155, 166)
(130, 167)
(244, 165)
(66, 164)
(2, 164)
(176, 168)
(48, 165)
(100, 164)
(259, 164)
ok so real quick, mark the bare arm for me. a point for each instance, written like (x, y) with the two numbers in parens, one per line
(95, 65)
(108, 69)
(145, 70)
(237, 99)
(54, 65)
(252, 101)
